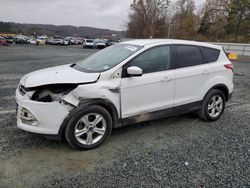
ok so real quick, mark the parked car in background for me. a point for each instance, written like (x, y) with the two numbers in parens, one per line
(56, 41)
(42, 37)
(10, 39)
(111, 42)
(72, 40)
(80, 40)
(32, 40)
(88, 43)
(20, 40)
(126, 83)
(66, 41)
(99, 44)
(41, 40)
(49, 40)
(3, 41)
(75, 40)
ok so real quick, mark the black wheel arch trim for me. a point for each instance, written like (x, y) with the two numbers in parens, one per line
(84, 103)
(219, 86)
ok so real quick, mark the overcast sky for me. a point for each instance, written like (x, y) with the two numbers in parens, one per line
(110, 14)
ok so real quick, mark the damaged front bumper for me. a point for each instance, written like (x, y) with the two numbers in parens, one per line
(40, 117)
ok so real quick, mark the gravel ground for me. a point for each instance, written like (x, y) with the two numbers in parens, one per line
(180, 151)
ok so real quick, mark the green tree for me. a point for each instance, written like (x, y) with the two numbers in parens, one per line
(205, 25)
(239, 18)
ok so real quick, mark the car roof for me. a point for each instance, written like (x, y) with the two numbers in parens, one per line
(146, 42)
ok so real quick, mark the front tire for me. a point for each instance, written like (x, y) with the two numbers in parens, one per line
(88, 128)
(213, 106)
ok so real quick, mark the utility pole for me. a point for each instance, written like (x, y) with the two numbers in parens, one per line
(169, 30)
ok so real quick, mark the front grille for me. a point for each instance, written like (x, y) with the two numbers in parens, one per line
(22, 90)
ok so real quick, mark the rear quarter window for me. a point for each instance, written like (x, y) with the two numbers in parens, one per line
(210, 54)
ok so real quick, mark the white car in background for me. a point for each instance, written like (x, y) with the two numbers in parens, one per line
(66, 41)
(32, 40)
(99, 44)
(88, 43)
(75, 40)
(126, 83)
(57, 41)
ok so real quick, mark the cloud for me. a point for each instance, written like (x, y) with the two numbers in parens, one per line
(111, 14)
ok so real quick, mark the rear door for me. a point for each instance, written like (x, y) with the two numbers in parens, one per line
(192, 74)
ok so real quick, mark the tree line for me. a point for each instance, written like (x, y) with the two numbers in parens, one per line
(215, 20)
(53, 30)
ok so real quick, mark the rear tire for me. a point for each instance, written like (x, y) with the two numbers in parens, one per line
(213, 105)
(88, 127)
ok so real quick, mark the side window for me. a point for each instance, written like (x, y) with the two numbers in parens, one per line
(187, 56)
(153, 60)
(210, 54)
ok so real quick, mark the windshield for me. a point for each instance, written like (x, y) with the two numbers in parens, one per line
(107, 58)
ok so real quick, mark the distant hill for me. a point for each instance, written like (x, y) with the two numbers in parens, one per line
(52, 30)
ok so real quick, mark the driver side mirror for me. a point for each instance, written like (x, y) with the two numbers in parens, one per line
(134, 71)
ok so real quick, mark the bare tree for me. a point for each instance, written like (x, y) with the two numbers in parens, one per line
(185, 20)
(217, 20)
(147, 18)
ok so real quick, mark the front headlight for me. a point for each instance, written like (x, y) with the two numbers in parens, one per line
(52, 93)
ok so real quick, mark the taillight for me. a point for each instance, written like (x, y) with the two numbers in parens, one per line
(229, 66)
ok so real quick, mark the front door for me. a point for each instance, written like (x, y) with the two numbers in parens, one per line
(152, 91)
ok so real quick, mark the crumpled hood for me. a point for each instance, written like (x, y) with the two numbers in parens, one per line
(57, 75)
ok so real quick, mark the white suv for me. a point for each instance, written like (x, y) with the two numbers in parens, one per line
(126, 83)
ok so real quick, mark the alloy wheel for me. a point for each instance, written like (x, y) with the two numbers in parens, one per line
(215, 106)
(90, 128)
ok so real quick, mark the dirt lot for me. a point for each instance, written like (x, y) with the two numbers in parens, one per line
(175, 152)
